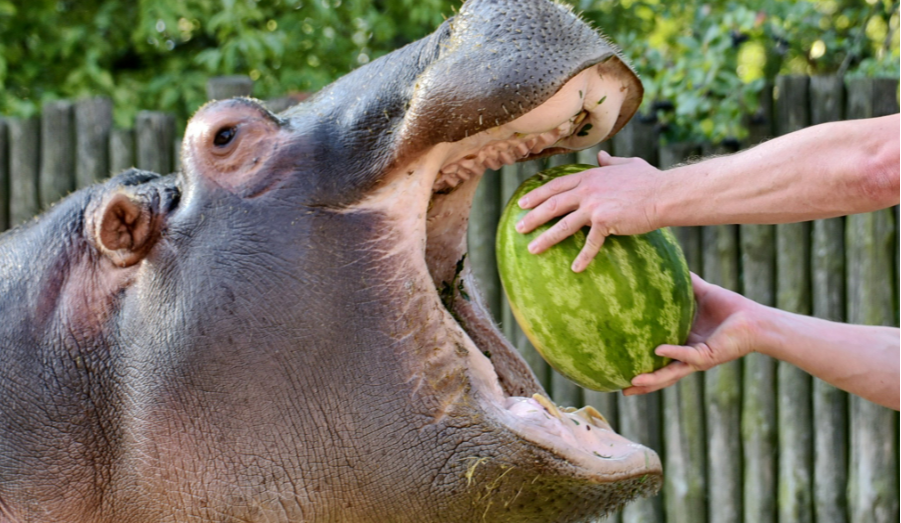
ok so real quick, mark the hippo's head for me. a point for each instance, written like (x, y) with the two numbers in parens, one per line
(281, 331)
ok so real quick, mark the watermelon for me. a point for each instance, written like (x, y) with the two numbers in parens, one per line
(599, 328)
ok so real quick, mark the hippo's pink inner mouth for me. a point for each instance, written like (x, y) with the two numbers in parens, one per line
(429, 200)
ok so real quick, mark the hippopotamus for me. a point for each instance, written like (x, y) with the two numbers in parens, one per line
(287, 329)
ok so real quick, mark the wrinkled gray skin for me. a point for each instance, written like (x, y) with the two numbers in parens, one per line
(261, 337)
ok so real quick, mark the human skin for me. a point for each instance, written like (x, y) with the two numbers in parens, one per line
(823, 171)
(862, 360)
(827, 170)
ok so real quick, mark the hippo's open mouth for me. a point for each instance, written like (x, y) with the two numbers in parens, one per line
(429, 199)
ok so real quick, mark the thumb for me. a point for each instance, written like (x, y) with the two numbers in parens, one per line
(605, 159)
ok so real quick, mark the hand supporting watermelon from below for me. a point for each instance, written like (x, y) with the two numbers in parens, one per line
(610, 200)
(859, 359)
(722, 332)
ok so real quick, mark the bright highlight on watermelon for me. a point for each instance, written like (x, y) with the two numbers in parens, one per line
(599, 327)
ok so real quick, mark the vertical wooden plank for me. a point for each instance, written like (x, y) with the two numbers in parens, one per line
(684, 438)
(57, 174)
(224, 87)
(511, 177)
(722, 389)
(176, 154)
(93, 121)
(873, 475)
(795, 388)
(481, 236)
(827, 265)
(154, 133)
(758, 410)
(24, 162)
(793, 294)
(4, 177)
(830, 405)
(121, 150)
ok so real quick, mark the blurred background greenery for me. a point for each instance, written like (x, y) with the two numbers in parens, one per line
(703, 63)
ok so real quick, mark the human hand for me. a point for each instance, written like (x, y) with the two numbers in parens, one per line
(616, 198)
(725, 329)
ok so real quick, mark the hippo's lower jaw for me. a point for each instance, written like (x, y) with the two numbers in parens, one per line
(428, 202)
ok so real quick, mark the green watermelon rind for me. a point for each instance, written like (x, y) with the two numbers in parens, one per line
(598, 328)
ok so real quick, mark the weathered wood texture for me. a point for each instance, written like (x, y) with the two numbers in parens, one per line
(873, 474)
(154, 136)
(57, 172)
(758, 409)
(722, 389)
(482, 235)
(4, 176)
(24, 162)
(93, 122)
(224, 87)
(121, 150)
(793, 294)
(827, 265)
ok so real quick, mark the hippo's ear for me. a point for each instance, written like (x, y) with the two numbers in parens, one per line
(124, 226)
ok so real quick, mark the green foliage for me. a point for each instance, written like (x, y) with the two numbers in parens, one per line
(702, 63)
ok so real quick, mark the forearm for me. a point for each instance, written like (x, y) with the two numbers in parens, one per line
(863, 360)
(822, 171)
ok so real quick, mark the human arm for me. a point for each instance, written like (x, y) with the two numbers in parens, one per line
(862, 360)
(822, 171)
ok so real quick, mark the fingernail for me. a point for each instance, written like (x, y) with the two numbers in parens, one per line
(523, 202)
(519, 226)
(533, 248)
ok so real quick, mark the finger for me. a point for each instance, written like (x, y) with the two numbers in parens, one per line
(555, 186)
(593, 243)
(605, 159)
(664, 376)
(554, 206)
(561, 230)
(684, 353)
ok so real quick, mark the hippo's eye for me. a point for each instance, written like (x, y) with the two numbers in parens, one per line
(224, 136)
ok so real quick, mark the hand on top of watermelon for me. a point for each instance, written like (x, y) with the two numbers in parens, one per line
(859, 359)
(610, 201)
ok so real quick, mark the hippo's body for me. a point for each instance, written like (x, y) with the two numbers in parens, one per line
(261, 337)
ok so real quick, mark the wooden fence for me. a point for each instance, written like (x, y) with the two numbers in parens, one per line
(755, 440)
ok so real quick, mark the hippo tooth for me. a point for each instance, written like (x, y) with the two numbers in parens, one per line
(548, 405)
(507, 158)
(467, 164)
(523, 150)
(493, 163)
(591, 415)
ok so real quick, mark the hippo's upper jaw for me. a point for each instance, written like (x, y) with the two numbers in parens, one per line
(286, 332)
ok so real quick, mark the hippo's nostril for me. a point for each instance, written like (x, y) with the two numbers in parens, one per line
(224, 136)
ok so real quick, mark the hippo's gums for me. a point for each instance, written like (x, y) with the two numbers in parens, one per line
(280, 332)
